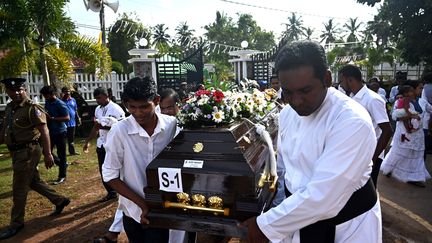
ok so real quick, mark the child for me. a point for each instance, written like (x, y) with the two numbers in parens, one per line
(405, 112)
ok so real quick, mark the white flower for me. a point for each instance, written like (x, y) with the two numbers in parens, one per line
(218, 116)
(204, 100)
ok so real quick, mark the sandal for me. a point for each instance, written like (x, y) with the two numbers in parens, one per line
(104, 240)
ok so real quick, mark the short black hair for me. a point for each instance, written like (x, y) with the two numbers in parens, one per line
(47, 90)
(65, 89)
(351, 71)
(405, 89)
(139, 89)
(427, 77)
(302, 53)
(166, 93)
(273, 77)
(374, 79)
(401, 75)
(100, 91)
(413, 83)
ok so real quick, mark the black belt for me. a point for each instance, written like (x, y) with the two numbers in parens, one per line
(16, 147)
(324, 231)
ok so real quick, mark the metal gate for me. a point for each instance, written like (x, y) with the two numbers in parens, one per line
(263, 65)
(175, 68)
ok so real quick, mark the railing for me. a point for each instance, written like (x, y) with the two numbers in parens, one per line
(86, 84)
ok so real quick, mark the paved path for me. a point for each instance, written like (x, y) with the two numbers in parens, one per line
(407, 209)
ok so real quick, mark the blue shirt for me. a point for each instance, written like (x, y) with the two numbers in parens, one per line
(72, 108)
(56, 108)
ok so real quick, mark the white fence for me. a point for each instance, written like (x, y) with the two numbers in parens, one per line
(386, 72)
(86, 84)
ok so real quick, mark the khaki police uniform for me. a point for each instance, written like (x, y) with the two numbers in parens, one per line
(22, 139)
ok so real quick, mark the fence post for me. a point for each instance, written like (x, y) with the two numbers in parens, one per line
(114, 80)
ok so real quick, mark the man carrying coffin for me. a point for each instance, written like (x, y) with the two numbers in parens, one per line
(325, 142)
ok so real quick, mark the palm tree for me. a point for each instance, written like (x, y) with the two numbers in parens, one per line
(308, 32)
(293, 29)
(352, 28)
(58, 57)
(330, 32)
(160, 38)
(183, 33)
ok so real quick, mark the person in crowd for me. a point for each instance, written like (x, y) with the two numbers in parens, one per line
(375, 87)
(131, 145)
(330, 196)
(351, 81)
(274, 84)
(402, 109)
(111, 96)
(199, 87)
(106, 114)
(427, 122)
(74, 121)
(382, 92)
(83, 107)
(405, 160)
(26, 136)
(400, 79)
(57, 115)
(169, 102)
(183, 92)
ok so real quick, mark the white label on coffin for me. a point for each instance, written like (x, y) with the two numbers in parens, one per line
(193, 164)
(170, 179)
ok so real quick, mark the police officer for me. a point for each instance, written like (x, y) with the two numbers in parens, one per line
(24, 131)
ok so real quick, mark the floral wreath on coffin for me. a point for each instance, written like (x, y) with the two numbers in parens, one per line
(214, 107)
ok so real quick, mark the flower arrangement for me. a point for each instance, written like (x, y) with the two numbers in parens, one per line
(216, 108)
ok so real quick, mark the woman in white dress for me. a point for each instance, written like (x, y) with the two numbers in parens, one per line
(405, 160)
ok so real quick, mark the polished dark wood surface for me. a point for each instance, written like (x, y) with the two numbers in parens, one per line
(233, 157)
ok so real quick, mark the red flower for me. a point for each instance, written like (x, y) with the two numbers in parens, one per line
(202, 92)
(218, 96)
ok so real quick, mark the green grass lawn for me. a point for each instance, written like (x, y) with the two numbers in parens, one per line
(80, 168)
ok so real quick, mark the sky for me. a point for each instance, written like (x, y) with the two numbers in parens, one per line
(198, 13)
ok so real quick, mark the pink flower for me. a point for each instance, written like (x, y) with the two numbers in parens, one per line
(202, 92)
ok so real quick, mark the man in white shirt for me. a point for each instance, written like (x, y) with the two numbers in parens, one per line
(106, 114)
(326, 142)
(351, 80)
(400, 79)
(131, 145)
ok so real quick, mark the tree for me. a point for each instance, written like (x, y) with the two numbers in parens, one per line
(225, 31)
(42, 39)
(183, 33)
(123, 36)
(329, 33)
(160, 37)
(39, 21)
(352, 27)
(308, 32)
(293, 29)
(409, 27)
(58, 57)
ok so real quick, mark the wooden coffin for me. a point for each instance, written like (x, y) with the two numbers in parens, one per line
(210, 164)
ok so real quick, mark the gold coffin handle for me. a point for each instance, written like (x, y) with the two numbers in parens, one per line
(168, 204)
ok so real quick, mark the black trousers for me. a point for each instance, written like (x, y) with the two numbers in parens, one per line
(59, 141)
(137, 233)
(375, 171)
(101, 158)
(70, 139)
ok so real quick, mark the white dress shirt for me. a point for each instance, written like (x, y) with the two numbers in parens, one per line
(327, 156)
(382, 92)
(375, 106)
(129, 150)
(393, 92)
(110, 110)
